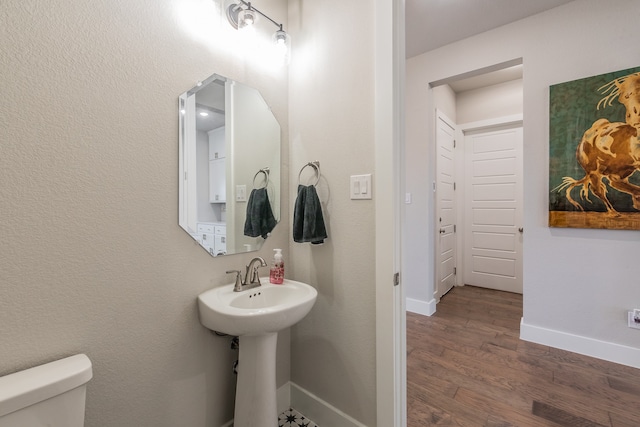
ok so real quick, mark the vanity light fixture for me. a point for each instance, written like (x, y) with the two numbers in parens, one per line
(242, 14)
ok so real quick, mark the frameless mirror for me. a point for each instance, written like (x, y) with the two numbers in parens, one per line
(229, 166)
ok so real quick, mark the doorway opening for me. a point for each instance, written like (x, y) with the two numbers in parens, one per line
(478, 187)
(478, 195)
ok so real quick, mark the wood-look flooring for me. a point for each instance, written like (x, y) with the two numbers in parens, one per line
(466, 366)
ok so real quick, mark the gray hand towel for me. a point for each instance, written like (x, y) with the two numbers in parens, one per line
(260, 220)
(308, 223)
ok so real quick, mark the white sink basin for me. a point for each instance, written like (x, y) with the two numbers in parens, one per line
(266, 309)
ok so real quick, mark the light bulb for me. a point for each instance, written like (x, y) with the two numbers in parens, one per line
(282, 41)
(246, 18)
(281, 38)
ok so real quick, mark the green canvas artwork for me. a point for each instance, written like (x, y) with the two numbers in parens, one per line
(594, 152)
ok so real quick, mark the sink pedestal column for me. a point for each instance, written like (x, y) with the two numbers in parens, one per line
(256, 404)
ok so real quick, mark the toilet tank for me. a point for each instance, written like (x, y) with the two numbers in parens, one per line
(51, 395)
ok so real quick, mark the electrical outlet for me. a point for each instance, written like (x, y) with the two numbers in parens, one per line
(634, 319)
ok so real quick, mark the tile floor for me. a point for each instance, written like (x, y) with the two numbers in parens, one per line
(292, 418)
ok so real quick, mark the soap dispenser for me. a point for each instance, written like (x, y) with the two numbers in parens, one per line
(276, 274)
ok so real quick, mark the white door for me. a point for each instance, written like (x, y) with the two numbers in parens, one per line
(445, 207)
(493, 208)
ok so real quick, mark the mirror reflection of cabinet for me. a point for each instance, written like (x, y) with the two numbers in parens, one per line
(217, 190)
(212, 237)
(217, 166)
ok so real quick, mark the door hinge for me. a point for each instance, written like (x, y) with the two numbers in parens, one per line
(454, 186)
(454, 143)
(396, 279)
(454, 228)
(455, 271)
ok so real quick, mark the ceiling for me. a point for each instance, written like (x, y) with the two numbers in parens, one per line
(431, 24)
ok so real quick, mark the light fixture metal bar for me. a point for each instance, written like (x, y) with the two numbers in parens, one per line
(250, 6)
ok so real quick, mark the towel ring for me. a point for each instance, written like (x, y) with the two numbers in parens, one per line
(316, 166)
(265, 171)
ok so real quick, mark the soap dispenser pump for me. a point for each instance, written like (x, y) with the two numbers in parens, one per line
(276, 274)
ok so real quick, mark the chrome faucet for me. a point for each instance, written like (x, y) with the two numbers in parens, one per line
(255, 277)
(251, 276)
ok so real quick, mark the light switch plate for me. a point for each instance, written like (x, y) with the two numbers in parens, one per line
(360, 187)
(241, 193)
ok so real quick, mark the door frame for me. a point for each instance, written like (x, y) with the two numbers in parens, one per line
(440, 115)
(391, 354)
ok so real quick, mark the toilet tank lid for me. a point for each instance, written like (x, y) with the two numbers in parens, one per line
(28, 387)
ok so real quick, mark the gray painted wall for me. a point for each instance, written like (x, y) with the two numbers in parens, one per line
(331, 116)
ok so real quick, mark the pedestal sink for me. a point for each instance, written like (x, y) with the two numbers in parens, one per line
(255, 316)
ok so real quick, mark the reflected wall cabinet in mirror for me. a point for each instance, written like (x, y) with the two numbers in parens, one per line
(229, 166)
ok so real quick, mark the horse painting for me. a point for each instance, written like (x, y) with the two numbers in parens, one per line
(609, 154)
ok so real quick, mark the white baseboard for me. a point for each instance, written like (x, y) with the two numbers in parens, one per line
(319, 411)
(578, 344)
(426, 308)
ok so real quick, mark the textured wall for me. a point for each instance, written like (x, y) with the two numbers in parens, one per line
(567, 272)
(91, 256)
(332, 120)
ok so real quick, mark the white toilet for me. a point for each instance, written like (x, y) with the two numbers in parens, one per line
(50, 395)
